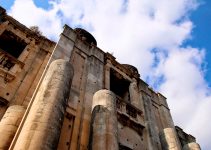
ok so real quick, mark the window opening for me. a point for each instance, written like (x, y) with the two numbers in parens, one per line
(119, 85)
(123, 147)
(131, 111)
(11, 44)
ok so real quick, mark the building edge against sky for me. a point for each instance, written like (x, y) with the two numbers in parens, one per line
(73, 95)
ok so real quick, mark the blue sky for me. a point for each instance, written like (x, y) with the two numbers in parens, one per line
(168, 41)
(201, 33)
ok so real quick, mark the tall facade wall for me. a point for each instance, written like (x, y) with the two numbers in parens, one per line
(20, 72)
(142, 113)
(127, 111)
(23, 57)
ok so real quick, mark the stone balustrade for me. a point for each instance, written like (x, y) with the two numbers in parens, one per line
(129, 115)
(7, 61)
(129, 109)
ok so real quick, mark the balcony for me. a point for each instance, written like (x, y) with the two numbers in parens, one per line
(129, 115)
(7, 61)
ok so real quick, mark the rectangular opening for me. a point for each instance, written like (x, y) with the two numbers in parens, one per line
(123, 147)
(11, 43)
(131, 111)
(3, 101)
(119, 85)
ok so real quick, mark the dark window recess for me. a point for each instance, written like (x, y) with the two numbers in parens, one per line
(12, 44)
(122, 147)
(119, 85)
(131, 111)
(3, 101)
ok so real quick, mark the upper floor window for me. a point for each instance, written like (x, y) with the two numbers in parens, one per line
(123, 147)
(11, 44)
(119, 85)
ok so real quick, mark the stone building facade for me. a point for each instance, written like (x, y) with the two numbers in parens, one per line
(71, 95)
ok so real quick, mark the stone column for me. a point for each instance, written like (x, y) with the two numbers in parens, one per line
(191, 146)
(41, 129)
(9, 124)
(134, 94)
(104, 121)
(169, 140)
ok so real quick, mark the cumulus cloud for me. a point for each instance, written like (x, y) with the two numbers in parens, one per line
(27, 13)
(187, 91)
(147, 34)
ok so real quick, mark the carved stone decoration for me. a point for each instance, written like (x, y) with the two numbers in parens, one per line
(126, 121)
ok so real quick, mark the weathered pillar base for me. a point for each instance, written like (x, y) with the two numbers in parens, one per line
(104, 122)
(9, 125)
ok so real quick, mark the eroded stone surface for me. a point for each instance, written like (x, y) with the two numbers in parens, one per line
(9, 124)
(104, 122)
(169, 139)
(191, 146)
(44, 121)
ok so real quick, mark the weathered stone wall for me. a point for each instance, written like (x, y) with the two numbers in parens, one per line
(18, 83)
(93, 83)
(92, 73)
(169, 139)
(151, 125)
(87, 61)
(134, 94)
(157, 115)
(128, 137)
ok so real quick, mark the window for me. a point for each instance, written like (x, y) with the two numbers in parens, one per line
(11, 44)
(119, 85)
(123, 147)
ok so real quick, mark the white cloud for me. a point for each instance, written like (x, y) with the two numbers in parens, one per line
(148, 34)
(187, 92)
(27, 13)
(184, 83)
